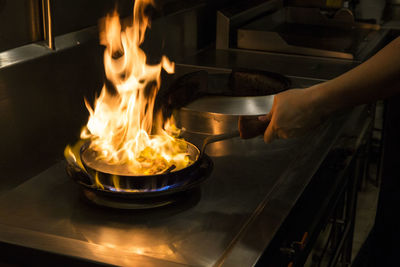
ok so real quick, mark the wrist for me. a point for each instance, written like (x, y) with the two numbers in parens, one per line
(320, 101)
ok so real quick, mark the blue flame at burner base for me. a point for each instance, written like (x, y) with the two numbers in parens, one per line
(164, 188)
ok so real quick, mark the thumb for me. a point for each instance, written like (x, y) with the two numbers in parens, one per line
(269, 116)
(263, 118)
(266, 117)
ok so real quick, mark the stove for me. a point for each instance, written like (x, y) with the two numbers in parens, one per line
(229, 219)
(148, 195)
(235, 212)
(112, 186)
(127, 203)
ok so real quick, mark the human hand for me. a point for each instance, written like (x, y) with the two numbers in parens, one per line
(293, 113)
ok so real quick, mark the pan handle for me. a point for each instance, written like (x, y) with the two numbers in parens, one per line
(248, 127)
(251, 126)
(215, 138)
(79, 176)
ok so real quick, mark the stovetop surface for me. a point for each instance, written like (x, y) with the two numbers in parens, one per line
(231, 220)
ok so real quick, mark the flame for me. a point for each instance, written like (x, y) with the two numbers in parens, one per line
(120, 124)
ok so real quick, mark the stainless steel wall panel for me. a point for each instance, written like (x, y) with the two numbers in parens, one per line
(19, 23)
(42, 105)
(73, 15)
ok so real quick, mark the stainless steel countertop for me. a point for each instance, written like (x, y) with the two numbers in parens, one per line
(241, 206)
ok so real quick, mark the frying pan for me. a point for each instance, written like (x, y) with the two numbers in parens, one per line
(99, 178)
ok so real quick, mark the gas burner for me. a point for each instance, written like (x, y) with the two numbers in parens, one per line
(117, 202)
(141, 198)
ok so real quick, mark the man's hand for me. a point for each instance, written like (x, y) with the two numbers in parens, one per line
(293, 113)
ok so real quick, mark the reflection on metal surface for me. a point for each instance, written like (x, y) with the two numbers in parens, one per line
(237, 146)
(19, 23)
(34, 15)
(238, 14)
(295, 30)
(31, 51)
(136, 242)
(206, 123)
(246, 105)
(272, 41)
(132, 231)
(307, 31)
(20, 54)
(128, 204)
(217, 115)
(239, 200)
(48, 24)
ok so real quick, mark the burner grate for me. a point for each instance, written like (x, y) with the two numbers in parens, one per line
(140, 198)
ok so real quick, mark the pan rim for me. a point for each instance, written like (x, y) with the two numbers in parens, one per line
(87, 166)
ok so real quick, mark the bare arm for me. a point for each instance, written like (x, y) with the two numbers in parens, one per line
(377, 78)
(296, 111)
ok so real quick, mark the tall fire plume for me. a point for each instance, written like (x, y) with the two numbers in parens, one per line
(121, 123)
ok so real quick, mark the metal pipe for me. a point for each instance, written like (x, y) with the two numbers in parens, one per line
(47, 24)
(34, 20)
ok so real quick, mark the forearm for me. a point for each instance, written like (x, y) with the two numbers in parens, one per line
(377, 78)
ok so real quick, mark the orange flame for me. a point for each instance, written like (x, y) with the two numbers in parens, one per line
(120, 124)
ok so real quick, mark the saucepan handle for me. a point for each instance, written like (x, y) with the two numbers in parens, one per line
(251, 126)
(215, 138)
(248, 127)
(79, 176)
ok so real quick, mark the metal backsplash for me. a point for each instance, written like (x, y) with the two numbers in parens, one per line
(19, 23)
(42, 109)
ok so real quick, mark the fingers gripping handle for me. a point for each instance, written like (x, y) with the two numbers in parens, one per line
(251, 126)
